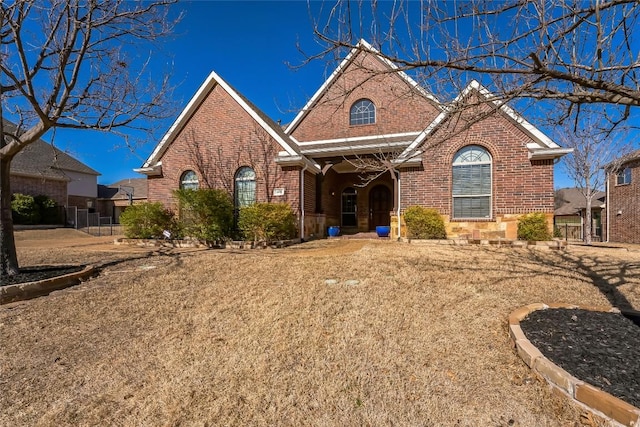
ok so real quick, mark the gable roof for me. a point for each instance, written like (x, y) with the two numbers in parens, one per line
(570, 201)
(362, 46)
(43, 160)
(541, 148)
(137, 186)
(622, 160)
(152, 165)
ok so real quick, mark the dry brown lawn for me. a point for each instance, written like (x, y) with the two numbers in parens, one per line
(326, 333)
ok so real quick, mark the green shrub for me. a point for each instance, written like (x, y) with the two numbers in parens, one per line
(423, 223)
(206, 214)
(148, 221)
(25, 209)
(48, 208)
(267, 222)
(533, 227)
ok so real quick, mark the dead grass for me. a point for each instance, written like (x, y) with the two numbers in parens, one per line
(326, 333)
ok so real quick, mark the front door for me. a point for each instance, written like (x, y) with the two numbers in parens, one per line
(379, 206)
(349, 207)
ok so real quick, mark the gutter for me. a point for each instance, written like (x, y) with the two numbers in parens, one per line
(607, 203)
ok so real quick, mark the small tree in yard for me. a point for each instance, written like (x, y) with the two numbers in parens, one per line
(206, 214)
(148, 221)
(67, 64)
(267, 222)
(593, 149)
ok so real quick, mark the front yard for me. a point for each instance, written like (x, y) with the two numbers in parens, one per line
(328, 333)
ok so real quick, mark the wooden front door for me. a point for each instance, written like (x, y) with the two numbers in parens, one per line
(379, 206)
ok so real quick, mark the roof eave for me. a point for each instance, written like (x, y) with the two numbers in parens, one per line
(549, 154)
(155, 170)
(297, 161)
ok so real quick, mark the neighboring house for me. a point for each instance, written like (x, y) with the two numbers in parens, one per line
(42, 169)
(480, 175)
(623, 199)
(570, 214)
(113, 199)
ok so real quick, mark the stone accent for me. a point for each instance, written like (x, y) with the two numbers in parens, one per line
(24, 291)
(585, 394)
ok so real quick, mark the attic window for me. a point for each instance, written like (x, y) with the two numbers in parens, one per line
(363, 112)
(189, 181)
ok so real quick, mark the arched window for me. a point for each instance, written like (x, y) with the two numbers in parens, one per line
(472, 183)
(363, 112)
(189, 181)
(245, 188)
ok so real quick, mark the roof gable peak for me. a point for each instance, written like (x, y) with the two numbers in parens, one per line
(361, 46)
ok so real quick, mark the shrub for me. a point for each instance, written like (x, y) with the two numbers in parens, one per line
(148, 220)
(24, 209)
(48, 208)
(267, 222)
(206, 214)
(423, 223)
(533, 227)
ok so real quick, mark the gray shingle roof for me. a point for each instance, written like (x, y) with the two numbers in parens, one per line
(41, 159)
(570, 201)
(113, 191)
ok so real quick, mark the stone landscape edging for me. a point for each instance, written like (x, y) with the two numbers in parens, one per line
(581, 392)
(194, 243)
(25, 291)
(545, 244)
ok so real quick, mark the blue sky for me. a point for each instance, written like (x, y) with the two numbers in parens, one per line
(252, 45)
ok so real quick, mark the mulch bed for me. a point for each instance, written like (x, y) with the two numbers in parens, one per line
(32, 274)
(602, 349)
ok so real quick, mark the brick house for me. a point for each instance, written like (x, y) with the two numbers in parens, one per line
(623, 199)
(570, 214)
(42, 169)
(368, 144)
(113, 199)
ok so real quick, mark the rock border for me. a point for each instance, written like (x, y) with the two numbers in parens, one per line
(581, 392)
(29, 290)
(194, 243)
(544, 245)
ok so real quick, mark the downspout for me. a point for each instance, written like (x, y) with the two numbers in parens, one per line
(606, 185)
(302, 201)
(398, 212)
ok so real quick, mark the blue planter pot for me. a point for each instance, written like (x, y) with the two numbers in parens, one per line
(333, 231)
(383, 230)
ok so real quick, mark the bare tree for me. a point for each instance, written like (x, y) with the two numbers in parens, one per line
(67, 64)
(573, 53)
(593, 149)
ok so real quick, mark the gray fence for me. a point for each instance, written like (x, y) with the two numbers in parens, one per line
(91, 222)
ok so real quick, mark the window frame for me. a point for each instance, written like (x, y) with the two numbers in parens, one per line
(461, 159)
(244, 177)
(189, 184)
(361, 117)
(625, 174)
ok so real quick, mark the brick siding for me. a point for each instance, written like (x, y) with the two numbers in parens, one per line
(624, 206)
(54, 189)
(220, 138)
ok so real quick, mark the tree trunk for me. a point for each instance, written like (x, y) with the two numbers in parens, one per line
(8, 256)
(587, 216)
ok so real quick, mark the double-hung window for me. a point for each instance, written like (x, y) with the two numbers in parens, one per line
(472, 183)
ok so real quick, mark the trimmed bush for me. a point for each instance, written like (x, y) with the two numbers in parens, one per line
(533, 227)
(423, 223)
(24, 209)
(148, 221)
(49, 212)
(206, 214)
(267, 222)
